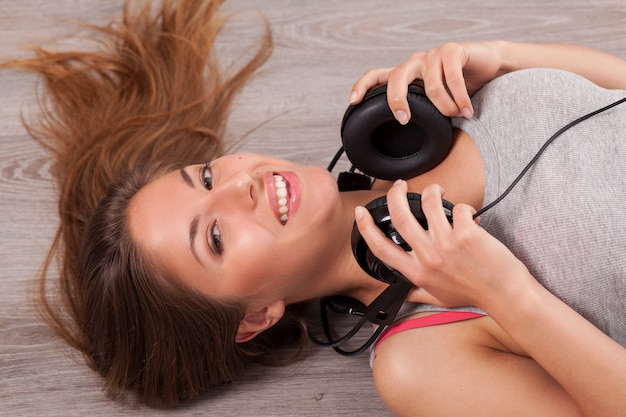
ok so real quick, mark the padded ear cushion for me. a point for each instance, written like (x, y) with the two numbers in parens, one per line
(378, 145)
(380, 213)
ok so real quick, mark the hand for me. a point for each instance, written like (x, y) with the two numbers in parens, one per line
(452, 265)
(451, 74)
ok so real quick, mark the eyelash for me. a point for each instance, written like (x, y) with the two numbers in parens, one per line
(216, 238)
(207, 180)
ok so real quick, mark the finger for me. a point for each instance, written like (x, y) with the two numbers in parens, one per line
(402, 217)
(435, 86)
(397, 91)
(381, 246)
(453, 62)
(432, 206)
(398, 85)
(370, 79)
(463, 215)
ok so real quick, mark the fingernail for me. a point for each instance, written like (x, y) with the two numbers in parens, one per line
(353, 96)
(398, 182)
(359, 212)
(402, 117)
(467, 113)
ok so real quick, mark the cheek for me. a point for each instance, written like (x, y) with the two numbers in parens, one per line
(251, 261)
(265, 264)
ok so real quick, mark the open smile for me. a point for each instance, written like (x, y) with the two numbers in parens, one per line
(283, 194)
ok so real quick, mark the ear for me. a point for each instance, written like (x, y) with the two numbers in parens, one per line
(254, 322)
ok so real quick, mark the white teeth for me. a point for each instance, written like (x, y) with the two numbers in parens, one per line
(281, 198)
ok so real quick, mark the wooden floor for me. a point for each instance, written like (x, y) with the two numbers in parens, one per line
(322, 47)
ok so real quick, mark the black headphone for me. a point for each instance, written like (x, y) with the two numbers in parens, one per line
(380, 213)
(378, 145)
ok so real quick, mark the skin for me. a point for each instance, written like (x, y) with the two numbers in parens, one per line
(239, 201)
(512, 362)
(513, 357)
(252, 266)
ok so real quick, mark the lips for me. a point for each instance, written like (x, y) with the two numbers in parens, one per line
(283, 192)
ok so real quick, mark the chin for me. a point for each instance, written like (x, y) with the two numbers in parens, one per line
(322, 193)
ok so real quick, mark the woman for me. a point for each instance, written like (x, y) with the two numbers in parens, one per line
(203, 291)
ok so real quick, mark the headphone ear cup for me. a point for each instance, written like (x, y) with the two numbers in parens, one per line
(380, 213)
(378, 145)
(360, 249)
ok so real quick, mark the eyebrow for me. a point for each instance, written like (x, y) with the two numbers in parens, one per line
(193, 231)
(186, 178)
(193, 226)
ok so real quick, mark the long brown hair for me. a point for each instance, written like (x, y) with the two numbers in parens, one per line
(150, 99)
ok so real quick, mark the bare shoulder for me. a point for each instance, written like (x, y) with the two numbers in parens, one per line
(464, 368)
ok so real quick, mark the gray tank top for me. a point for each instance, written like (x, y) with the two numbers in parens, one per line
(566, 219)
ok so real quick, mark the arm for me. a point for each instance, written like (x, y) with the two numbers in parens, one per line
(460, 369)
(454, 71)
(464, 265)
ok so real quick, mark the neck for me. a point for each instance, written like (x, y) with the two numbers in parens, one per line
(356, 283)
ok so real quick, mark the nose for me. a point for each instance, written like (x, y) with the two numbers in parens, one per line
(238, 189)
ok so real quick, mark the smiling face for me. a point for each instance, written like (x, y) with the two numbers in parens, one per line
(246, 227)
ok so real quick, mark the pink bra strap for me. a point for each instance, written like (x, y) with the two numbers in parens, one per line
(426, 321)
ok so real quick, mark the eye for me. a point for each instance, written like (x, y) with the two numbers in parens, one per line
(216, 239)
(207, 178)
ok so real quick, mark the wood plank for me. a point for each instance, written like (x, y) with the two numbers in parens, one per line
(321, 48)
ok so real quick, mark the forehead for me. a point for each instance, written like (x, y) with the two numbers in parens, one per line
(156, 214)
